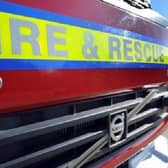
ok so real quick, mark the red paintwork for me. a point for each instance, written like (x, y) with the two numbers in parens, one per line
(25, 89)
(124, 155)
(99, 12)
(30, 89)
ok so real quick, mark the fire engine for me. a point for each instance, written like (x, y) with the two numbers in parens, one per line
(83, 83)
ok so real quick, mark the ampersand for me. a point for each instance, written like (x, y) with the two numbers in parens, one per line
(89, 50)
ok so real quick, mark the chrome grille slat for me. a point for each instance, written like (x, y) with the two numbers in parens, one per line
(144, 115)
(140, 130)
(49, 152)
(44, 127)
(141, 105)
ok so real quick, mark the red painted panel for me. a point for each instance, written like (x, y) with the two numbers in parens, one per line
(100, 12)
(27, 89)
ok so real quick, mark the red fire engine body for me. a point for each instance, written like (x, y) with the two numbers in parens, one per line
(39, 86)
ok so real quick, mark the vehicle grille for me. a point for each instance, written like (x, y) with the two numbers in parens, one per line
(53, 136)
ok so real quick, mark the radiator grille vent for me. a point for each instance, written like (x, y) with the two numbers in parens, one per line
(56, 135)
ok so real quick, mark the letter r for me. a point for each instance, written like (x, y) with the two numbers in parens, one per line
(18, 38)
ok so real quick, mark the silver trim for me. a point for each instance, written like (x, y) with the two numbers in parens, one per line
(144, 115)
(141, 105)
(1, 82)
(95, 148)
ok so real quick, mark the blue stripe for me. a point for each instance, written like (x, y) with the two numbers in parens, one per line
(41, 14)
(60, 65)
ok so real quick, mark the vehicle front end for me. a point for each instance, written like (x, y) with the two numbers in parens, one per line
(82, 83)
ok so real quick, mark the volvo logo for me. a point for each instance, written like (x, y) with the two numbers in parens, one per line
(117, 127)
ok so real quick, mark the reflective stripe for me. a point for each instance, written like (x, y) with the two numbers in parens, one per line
(35, 39)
